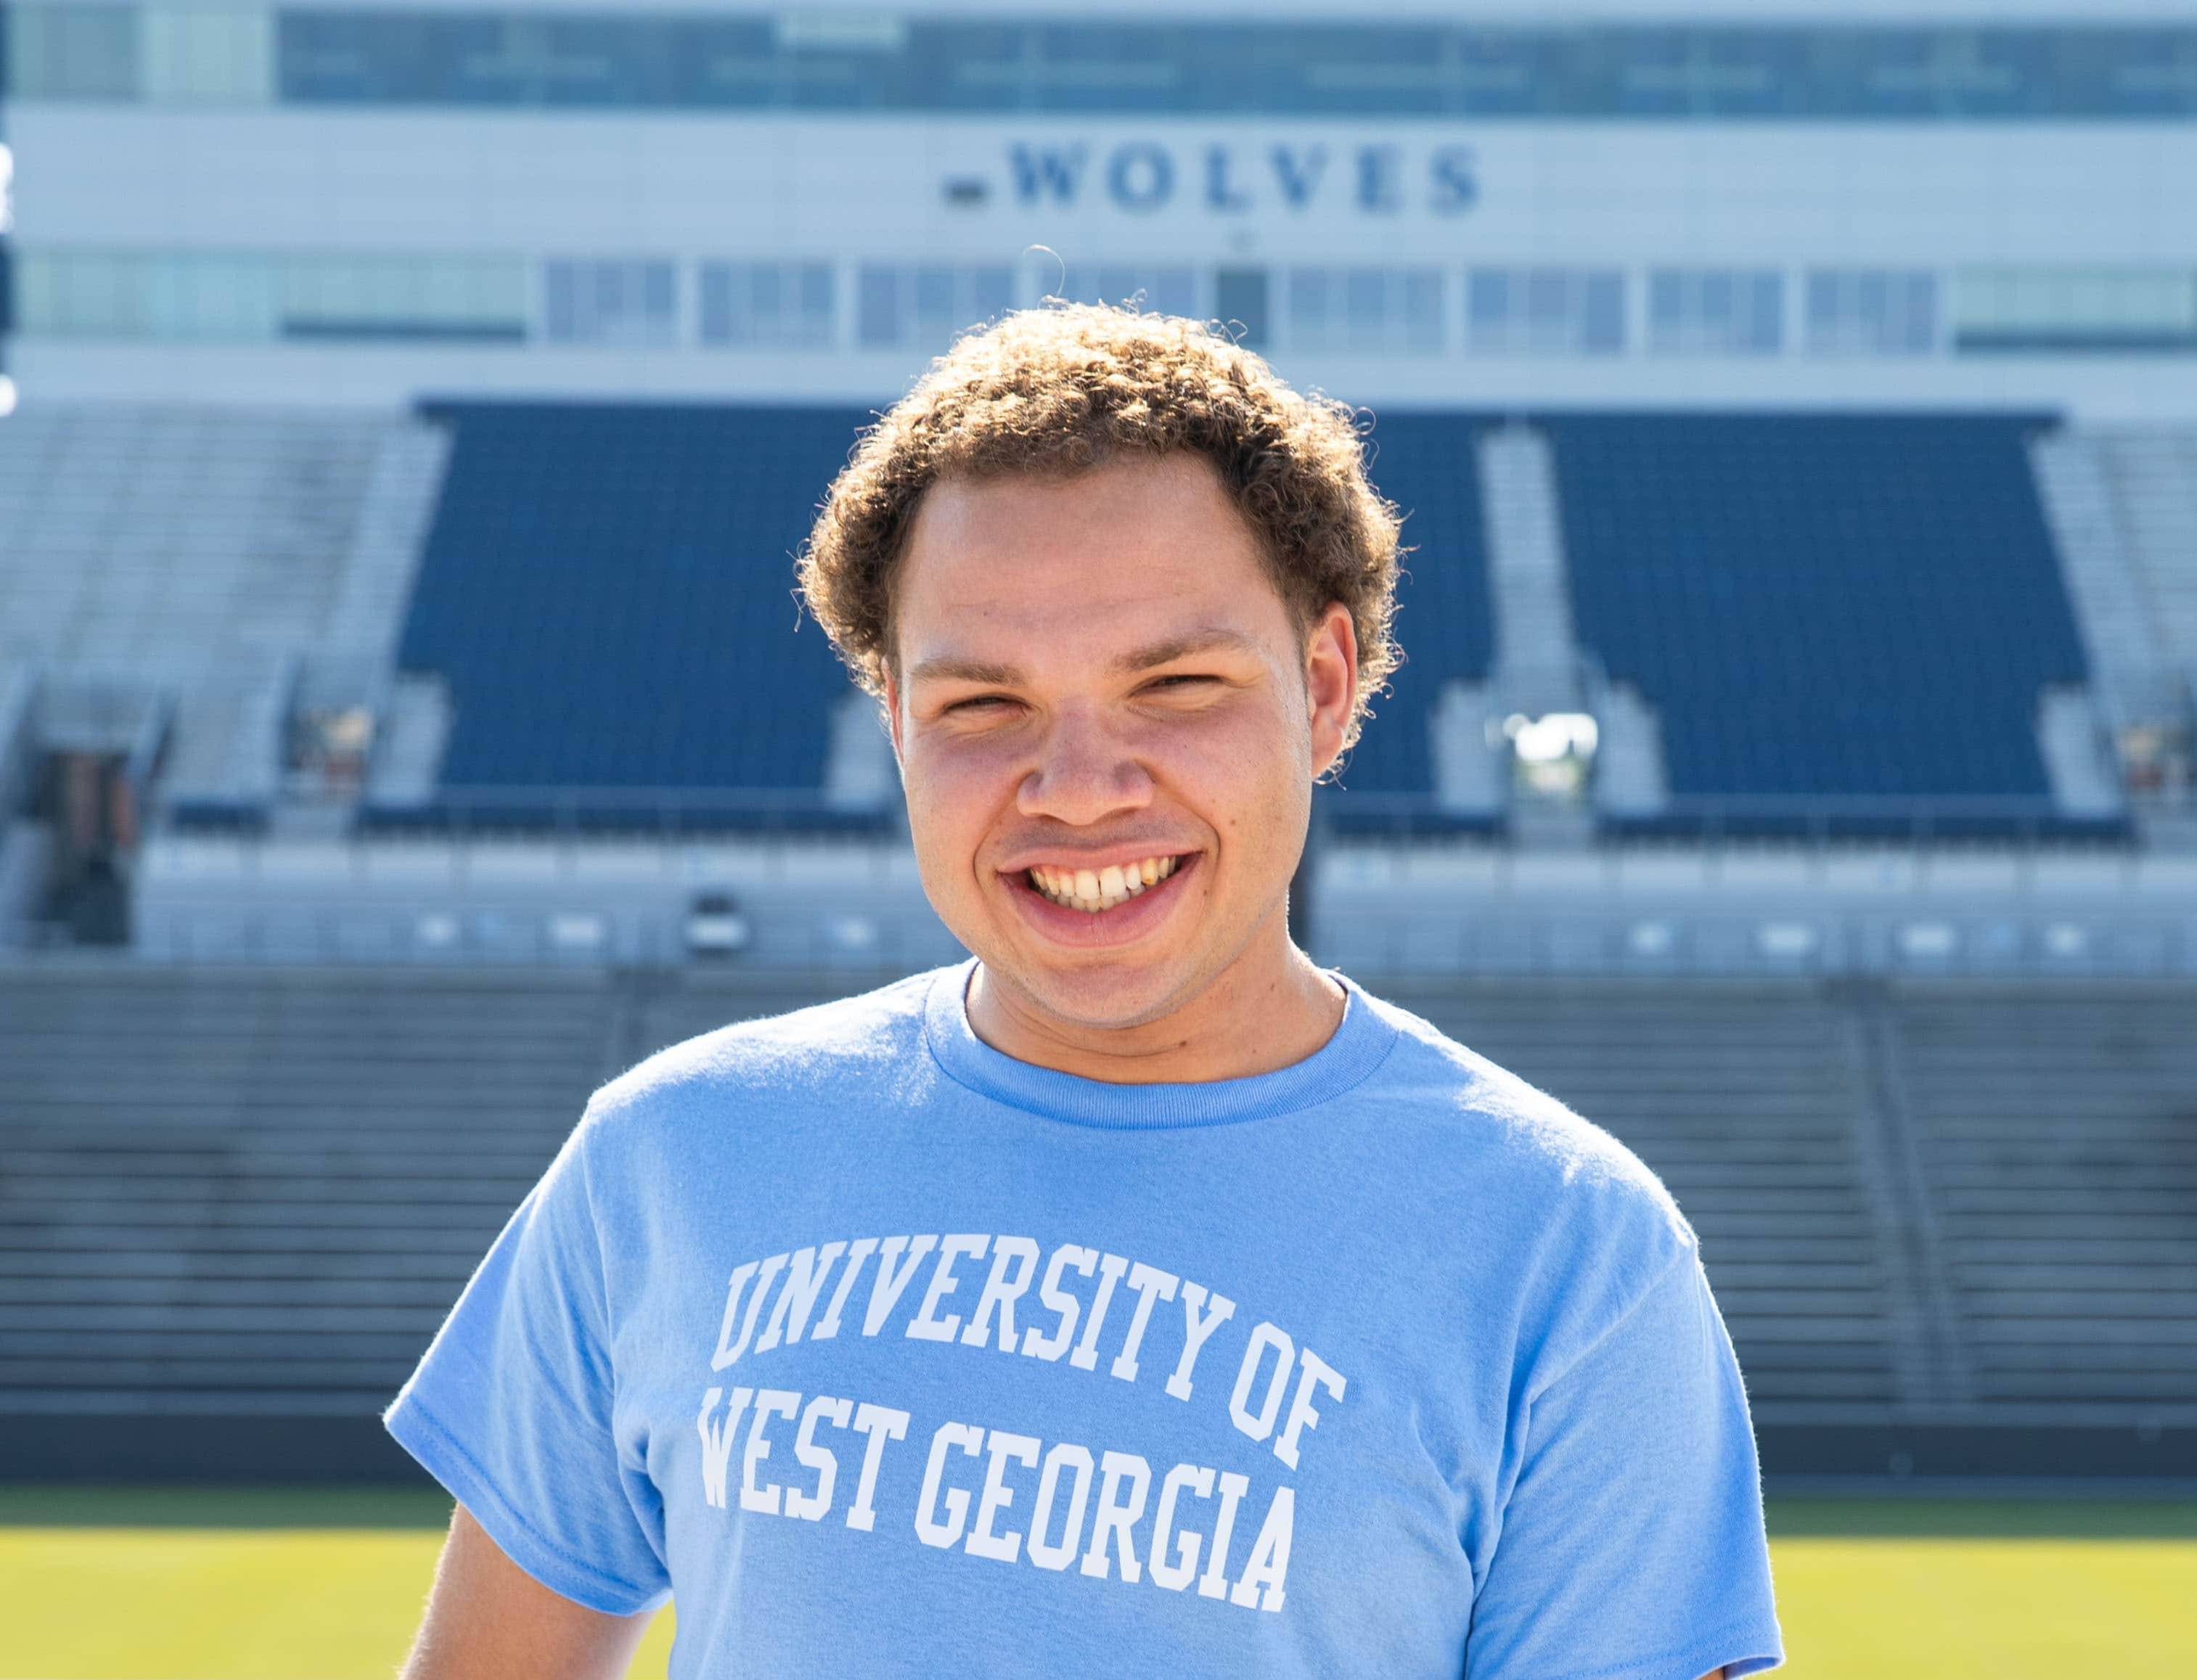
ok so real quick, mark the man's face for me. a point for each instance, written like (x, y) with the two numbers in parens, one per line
(1108, 724)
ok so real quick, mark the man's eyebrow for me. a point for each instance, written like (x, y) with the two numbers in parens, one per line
(949, 669)
(1181, 647)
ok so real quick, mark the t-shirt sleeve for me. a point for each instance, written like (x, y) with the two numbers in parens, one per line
(1632, 1546)
(511, 1407)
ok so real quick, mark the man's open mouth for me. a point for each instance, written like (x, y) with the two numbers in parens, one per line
(1099, 889)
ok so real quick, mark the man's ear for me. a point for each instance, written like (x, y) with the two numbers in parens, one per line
(1331, 683)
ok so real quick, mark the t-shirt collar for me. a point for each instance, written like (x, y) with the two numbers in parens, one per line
(1358, 1045)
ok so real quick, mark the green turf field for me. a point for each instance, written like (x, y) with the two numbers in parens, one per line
(116, 1584)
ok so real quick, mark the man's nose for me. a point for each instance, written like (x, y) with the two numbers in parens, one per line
(1083, 774)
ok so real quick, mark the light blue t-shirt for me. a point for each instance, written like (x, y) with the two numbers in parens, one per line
(885, 1353)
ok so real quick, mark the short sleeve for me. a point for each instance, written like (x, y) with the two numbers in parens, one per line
(1631, 1546)
(510, 1408)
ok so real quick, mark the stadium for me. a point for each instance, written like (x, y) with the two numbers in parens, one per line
(413, 411)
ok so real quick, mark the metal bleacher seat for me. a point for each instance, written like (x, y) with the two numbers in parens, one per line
(2058, 1129)
(1424, 463)
(235, 1204)
(1856, 609)
(247, 1193)
(607, 591)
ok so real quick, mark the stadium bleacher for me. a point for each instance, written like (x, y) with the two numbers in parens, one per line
(1845, 623)
(2057, 1126)
(1844, 620)
(1425, 464)
(212, 564)
(1924, 1244)
(606, 593)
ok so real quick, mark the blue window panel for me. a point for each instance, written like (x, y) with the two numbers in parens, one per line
(561, 314)
(1603, 327)
(991, 292)
(1348, 70)
(1548, 302)
(722, 64)
(1102, 67)
(977, 66)
(935, 315)
(877, 305)
(1239, 296)
(80, 51)
(1914, 324)
(1882, 312)
(716, 322)
(1174, 292)
(1365, 306)
(1686, 72)
(1423, 310)
(766, 289)
(1310, 311)
(771, 305)
(2144, 73)
(816, 299)
(1487, 299)
(1761, 328)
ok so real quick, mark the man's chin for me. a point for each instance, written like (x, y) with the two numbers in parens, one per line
(1116, 995)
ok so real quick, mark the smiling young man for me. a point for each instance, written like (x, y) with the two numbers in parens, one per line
(1137, 1297)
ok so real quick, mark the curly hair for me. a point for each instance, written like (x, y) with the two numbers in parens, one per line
(1065, 388)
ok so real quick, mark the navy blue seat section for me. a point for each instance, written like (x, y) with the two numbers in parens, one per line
(607, 589)
(1851, 609)
(1425, 464)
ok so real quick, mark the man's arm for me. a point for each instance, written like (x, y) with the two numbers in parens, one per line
(489, 1620)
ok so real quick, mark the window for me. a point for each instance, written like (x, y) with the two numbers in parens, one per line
(99, 295)
(1872, 312)
(609, 57)
(601, 302)
(1365, 308)
(1239, 300)
(768, 305)
(1716, 311)
(1163, 289)
(435, 297)
(924, 304)
(71, 52)
(2075, 310)
(229, 296)
(209, 51)
(1545, 311)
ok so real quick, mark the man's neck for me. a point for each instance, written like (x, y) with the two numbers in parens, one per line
(1257, 1016)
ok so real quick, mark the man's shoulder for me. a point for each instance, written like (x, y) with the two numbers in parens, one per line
(1517, 1143)
(824, 1048)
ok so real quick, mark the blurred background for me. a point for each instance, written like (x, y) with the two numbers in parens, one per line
(410, 414)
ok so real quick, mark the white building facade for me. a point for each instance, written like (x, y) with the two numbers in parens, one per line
(1469, 205)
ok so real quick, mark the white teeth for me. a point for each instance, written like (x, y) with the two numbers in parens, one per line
(1095, 891)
